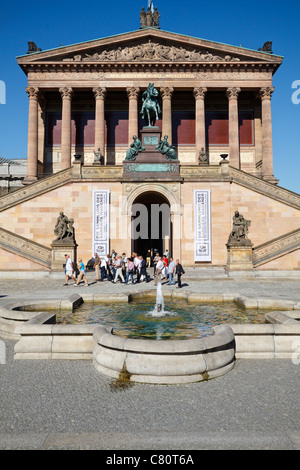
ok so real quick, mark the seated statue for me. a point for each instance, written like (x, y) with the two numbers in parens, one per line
(134, 149)
(239, 227)
(64, 228)
(166, 149)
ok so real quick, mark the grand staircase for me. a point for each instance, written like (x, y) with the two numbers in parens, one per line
(25, 248)
(262, 254)
(276, 248)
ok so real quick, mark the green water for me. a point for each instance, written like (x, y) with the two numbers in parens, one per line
(182, 320)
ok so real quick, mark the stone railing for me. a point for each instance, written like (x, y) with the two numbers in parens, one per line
(263, 187)
(35, 189)
(26, 248)
(275, 248)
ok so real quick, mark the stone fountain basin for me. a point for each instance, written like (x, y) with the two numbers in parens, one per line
(164, 362)
(177, 361)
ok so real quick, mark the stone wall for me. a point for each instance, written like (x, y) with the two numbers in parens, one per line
(35, 219)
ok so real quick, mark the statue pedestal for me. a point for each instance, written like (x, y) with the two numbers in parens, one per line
(150, 138)
(150, 163)
(239, 256)
(61, 248)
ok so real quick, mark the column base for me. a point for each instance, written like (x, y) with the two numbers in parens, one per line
(29, 180)
(271, 179)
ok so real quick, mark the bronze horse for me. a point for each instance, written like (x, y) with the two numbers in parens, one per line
(151, 108)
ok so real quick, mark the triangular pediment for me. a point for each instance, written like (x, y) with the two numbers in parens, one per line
(149, 45)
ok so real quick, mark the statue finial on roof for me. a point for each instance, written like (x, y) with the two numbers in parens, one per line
(149, 18)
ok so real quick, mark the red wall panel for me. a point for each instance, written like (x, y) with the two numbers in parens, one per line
(183, 128)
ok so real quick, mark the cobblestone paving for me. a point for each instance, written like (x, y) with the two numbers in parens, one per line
(69, 405)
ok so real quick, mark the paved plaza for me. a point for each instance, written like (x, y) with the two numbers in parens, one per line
(69, 405)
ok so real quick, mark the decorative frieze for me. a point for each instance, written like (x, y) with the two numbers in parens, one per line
(152, 51)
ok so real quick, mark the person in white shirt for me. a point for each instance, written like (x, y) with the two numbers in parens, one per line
(69, 270)
(103, 268)
(118, 268)
(158, 270)
(171, 270)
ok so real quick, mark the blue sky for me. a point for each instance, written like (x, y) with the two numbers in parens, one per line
(250, 24)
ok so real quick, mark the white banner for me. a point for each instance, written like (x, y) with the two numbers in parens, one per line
(202, 225)
(101, 222)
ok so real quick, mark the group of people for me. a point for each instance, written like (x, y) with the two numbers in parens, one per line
(114, 267)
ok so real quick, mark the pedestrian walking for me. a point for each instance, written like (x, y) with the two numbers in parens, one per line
(179, 271)
(97, 266)
(104, 269)
(148, 259)
(81, 274)
(130, 270)
(171, 271)
(159, 267)
(69, 270)
(118, 268)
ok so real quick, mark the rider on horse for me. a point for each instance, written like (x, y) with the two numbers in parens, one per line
(151, 108)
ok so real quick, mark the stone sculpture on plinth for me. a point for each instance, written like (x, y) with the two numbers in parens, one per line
(64, 243)
(239, 247)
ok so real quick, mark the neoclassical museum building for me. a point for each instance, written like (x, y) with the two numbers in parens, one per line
(85, 108)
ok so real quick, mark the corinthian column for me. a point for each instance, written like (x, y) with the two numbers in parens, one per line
(32, 147)
(166, 93)
(133, 94)
(199, 94)
(100, 94)
(233, 114)
(267, 144)
(66, 94)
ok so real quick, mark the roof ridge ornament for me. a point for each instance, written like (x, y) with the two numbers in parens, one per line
(149, 18)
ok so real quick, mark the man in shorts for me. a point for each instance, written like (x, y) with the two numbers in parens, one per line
(69, 270)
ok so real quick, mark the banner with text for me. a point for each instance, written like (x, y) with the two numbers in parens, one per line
(100, 222)
(202, 225)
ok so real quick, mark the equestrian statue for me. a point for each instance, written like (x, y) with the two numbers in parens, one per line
(151, 108)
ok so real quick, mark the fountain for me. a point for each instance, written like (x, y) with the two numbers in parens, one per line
(164, 362)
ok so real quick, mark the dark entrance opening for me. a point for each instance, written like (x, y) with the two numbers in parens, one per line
(151, 226)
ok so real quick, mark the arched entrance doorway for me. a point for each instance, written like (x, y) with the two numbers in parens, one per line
(151, 227)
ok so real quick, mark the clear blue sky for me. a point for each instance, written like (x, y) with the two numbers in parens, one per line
(250, 24)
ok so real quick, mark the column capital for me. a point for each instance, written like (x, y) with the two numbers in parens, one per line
(33, 92)
(199, 92)
(132, 92)
(233, 93)
(166, 92)
(265, 93)
(66, 93)
(100, 93)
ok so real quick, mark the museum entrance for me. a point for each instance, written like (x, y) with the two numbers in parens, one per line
(151, 227)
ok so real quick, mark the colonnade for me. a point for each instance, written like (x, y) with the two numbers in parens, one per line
(100, 94)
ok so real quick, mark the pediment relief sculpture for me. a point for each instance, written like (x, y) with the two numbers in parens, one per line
(152, 51)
